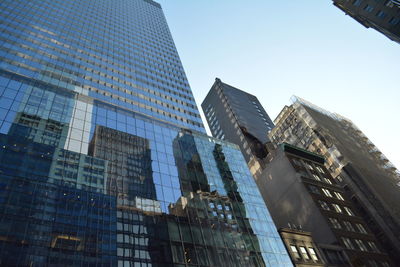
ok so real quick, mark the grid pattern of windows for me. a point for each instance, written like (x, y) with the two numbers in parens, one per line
(97, 165)
(103, 50)
(335, 223)
(311, 128)
(333, 204)
(237, 117)
(144, 168)
(377, 14)
(303, 253)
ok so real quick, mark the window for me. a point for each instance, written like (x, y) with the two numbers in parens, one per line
(309, 166)
(361, 228)
(295, 252)
(314, 189)
(316, 177)
(313, 254)
(389, 3)
(337, 208)
(349, 211)
(360, 245)
(347, 243)
(324, 205)
(335, 256)
(320, 169)
(348, 226)
(338, 196)
(368, 8)
(356, 2)
(335, 223)
(381, 14)
(328, 181)
(296, 162)
(304, 253)
(394, 21)
(373, 246)
(326, 192)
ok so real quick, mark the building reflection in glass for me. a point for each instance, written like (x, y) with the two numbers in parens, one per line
(95, 170)
(52, 200)
(116, 188)
(43, 222)
(130, 179)
(213, 228)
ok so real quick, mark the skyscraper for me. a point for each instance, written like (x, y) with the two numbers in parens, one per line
(238, 117)
(383, 16)
(103, 157)
(299, 190)
(372, 182)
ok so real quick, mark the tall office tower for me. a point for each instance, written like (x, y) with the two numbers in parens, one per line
(366, 174)
(383, 16)
(238, 117)
(299, 190)
(104, 160)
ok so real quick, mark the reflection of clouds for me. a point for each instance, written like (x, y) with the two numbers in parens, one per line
(165, 171)
(42, 116)
(80, 125)
(148, 205)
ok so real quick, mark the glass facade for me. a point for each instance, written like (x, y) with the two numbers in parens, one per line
(120, 52)
(103, 157)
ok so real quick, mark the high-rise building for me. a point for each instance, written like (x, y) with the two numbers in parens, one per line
(300, 192)
(104, 159)
(238, 117)
(372, 182)
(383, 16)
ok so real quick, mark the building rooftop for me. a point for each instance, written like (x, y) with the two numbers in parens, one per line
(302, 153)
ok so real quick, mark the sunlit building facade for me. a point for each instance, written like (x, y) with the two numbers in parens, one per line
(104, 159)
(301, 247)
(300, 193)
(370, 180)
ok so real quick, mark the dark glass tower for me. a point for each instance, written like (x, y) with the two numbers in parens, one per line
(238, 117)
(383, 16)
(103, 157)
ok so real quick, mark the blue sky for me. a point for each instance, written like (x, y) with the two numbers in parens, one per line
(276, 49)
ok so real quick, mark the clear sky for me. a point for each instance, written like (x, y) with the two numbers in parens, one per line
(308, 48)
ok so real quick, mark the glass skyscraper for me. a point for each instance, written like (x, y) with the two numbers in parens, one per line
(104, 159)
